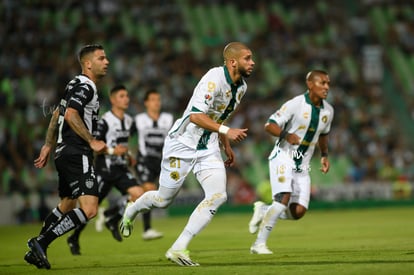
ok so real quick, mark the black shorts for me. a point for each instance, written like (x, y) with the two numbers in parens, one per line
(119, 177)
(76, 175)
(148, 169)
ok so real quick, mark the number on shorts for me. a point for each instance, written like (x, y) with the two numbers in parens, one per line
(175, 162)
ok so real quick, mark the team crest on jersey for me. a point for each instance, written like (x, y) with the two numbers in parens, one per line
(306, 115)
(325, 119)
(281, 179)
(228, 93)
(175, 175)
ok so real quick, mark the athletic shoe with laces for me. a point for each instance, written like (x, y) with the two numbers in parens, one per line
(260, 249)
(151, 234)
(112, 226)
(126, 226)
(32, 259)
(180, 257)
(38, 252)
(73, 243)
(257, 217)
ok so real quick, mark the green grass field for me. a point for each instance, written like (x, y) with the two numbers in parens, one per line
(357, 241)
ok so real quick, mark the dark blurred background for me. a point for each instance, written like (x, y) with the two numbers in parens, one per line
(367, 47)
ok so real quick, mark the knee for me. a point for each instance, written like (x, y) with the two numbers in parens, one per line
(135, 192)
(90, 212)
(218, 198)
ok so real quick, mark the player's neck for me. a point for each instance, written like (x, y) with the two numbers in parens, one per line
(119, 113)
(153, 114)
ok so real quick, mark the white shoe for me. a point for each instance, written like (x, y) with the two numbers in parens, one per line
(257, 217)
(180, 257)
(100, 220)
(151, 234)
(260, 249)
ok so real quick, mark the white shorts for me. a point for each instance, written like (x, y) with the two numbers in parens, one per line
(179, 160)
(284, 178)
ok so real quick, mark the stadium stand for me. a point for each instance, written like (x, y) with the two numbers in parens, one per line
(169, 44)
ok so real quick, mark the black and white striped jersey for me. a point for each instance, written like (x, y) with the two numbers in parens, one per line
(80, 94)
(114, 131)
(151, 133)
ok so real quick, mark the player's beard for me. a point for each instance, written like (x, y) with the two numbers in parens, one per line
(243, 72)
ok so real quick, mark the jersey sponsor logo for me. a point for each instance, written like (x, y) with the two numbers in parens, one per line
(301, 127)
(81, 94)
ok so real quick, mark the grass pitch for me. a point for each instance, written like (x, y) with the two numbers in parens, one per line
(357, 241)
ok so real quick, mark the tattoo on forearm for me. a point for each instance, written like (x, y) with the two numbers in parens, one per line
(78, 126)
(52, 130)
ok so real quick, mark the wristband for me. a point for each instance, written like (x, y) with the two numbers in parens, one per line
(283, 134)
(110, 150)
(223, 129)
(324, 155)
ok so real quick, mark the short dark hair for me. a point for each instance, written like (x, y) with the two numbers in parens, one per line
(87, 49)
(310, 75)
(117, 88)
(149, 92)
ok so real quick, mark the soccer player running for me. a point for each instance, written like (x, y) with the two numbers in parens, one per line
(193, 144)
(114, 128)
(72, 127)
(152, 128)
(299, 125)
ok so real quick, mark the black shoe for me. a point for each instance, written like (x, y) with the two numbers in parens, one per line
(31, 259)
(38, 252)
(73, 243)
(113, 227)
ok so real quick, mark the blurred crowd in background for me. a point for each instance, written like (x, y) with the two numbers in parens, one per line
(169, 45)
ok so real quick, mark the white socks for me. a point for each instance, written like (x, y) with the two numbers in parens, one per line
(269, 221)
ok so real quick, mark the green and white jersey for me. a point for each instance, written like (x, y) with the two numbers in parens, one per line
(301, 117)
(214, 95)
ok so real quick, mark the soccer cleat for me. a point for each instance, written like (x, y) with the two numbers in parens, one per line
(113, 227)
(126, 226)
(38, 253)
(73, 243)
(32, 259)
(260, 249)
(180, 257)
(151, 234)
(257, 217)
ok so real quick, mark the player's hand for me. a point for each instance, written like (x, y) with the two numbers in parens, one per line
(231, 160)
(293, 139)
(325, 165)
(120, 150)
(98, 146)
(43, 157)
(236, 135)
